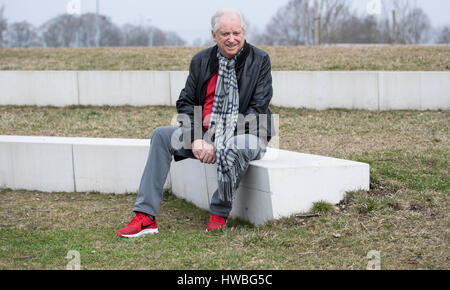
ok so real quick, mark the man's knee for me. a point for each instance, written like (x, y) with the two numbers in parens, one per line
(162, 134)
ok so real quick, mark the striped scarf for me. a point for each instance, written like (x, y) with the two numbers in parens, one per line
(224, 117)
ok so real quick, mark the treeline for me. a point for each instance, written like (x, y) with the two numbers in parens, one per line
(299, 22)
(81, 31)
(303, 22)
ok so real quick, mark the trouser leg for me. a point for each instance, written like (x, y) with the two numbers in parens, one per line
(155, 172)
(252, 148)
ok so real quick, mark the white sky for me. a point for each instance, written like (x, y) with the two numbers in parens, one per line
(189, 18)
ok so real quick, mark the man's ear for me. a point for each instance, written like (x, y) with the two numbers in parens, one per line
(214, 36)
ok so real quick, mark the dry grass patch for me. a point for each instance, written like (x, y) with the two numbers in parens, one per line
(342, 132)
(106, 122)
(334, 58)
(332, 132)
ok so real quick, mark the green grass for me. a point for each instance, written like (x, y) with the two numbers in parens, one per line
(322, 207)
(34, 239)
(404, 215)
(426, 169)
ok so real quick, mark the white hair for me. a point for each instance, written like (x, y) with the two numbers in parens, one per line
(223, 11)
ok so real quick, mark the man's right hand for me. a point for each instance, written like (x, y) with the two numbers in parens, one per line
(203, 151)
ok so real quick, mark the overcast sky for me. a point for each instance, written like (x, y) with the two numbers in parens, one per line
(189, 18)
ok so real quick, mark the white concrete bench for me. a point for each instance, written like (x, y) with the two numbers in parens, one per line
(72, 164)
(281, 184)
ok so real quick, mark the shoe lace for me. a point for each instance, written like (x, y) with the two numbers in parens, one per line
(137, 220)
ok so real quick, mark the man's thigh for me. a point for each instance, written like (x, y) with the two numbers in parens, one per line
(170, 136)
(178, 145)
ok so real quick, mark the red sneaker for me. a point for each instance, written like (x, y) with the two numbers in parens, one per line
(216, 222)
(140, 225)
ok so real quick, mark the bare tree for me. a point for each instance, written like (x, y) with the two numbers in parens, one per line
(88, 29)
(3, 26)
(110, 33)
(359, 30)
(138, 35)
(412, 25)
(22, 34)
(172, 39)
(135, 35)
(416, 27)
(293, 24)
(61, 31)
(333, 14)
(444, 35)
(74, 31)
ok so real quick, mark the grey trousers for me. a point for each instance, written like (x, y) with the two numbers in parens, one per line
(158, 165)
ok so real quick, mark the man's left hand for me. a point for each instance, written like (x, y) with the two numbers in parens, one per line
(203, 151)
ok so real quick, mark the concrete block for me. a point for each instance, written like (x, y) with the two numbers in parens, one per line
(36, 163)
(117, 88)
(109, 165)
(400, 90)
(435, 90)
(177, 83)
(293, 89)
(41, 88)
(274, 188)
(323, 90)
(298, 180)
(189, 182)
(253, 205)
(73, 164)
(346, 90)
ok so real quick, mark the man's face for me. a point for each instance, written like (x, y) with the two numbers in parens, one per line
(230, 36)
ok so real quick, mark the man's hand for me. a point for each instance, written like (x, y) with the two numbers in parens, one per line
(204, 151)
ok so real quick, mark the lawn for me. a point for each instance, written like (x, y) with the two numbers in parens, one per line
(404, 215)
(330, 58)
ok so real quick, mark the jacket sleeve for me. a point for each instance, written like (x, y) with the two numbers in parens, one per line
(259, 103)
(188, 106)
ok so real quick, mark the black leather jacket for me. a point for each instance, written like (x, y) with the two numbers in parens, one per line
(255, 89)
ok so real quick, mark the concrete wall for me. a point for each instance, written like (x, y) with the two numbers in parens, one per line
(72, 164)
(116, 88)
(323, 90)
(308, 89)
(55, 88)
(63, 88)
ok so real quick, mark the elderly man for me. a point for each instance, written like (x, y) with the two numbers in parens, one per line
(227, 92)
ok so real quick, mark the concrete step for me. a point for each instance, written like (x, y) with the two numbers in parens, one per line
(368, 90)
